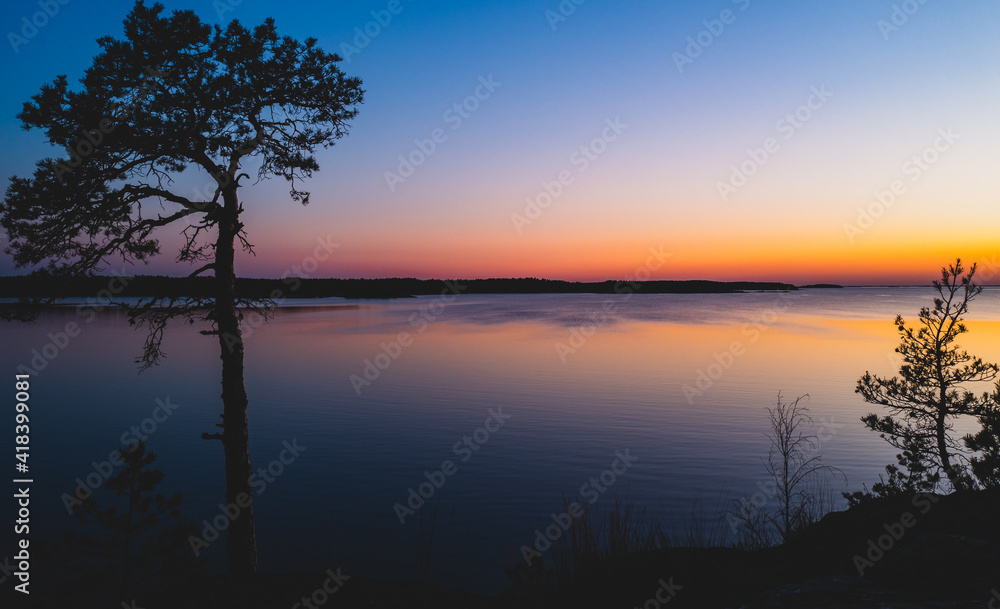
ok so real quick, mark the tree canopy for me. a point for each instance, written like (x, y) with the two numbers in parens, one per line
(175, 95)
(931, 391)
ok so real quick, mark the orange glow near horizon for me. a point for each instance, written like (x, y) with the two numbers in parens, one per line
(574, 170)
(799, 259)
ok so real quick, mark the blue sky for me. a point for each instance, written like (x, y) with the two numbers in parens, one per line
(658, 183)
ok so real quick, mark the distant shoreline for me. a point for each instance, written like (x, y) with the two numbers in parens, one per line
(28, 286)
(158, 286)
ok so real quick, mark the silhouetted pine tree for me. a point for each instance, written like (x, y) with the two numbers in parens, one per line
(178, 95)
(929, 394)
(142, 542)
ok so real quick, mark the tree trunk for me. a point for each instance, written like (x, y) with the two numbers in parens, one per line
(241, 542)
(942, 446)
(127, 542)
(787, 499)
(940, 421)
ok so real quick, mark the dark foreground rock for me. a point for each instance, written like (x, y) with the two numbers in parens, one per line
(906, 552)
(276, 591)
(842, 592)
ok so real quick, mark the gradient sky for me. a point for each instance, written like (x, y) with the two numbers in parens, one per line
(891, 91)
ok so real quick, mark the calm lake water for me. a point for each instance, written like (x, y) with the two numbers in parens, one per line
(681, 382)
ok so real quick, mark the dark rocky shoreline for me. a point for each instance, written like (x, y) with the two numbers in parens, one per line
(946, 554)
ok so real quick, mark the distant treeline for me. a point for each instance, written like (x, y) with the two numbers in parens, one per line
(293, 287)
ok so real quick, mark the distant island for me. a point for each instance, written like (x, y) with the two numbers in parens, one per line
(44, 286)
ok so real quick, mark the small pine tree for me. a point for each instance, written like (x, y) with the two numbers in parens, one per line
(929, 393)
(135, 546)
(913, 474)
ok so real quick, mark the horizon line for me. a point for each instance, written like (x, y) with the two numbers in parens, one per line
(523, 278)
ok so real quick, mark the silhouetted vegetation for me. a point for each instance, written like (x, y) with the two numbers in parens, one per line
(929, 394)
(986, 442)
(796, 555)
(140, 546)
(593, 539)
(795, 468)
(158, 287)
(177, 95)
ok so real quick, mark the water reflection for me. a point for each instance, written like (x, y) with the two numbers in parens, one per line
(621, 388)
